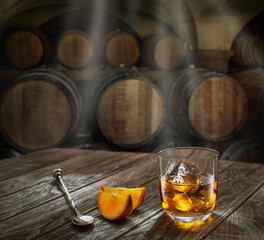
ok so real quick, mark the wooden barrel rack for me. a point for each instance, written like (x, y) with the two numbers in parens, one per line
(127, 77)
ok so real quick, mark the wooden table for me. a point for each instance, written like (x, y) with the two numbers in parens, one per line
(32, 206)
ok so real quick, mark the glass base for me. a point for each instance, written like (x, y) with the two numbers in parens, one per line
(190, 218)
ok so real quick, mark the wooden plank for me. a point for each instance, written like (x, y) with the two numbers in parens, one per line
(12, 167)
(69, 163)
(52, 214)
(245, 223)
(150, 208)
(38, 194)
(236, 184)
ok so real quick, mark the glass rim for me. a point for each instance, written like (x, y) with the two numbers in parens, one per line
(195, 148)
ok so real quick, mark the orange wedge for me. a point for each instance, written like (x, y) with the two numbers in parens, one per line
(114, 206)
(138, 194)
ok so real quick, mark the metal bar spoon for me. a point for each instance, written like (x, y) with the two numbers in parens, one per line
(80, 220)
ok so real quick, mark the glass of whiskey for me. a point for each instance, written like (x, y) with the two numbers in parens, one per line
(188, 182)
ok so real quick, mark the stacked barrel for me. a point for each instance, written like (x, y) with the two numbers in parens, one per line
(72, 85)
(116, 87)
(27, 48)
(247, 68)
(39, 109)
(248, 50)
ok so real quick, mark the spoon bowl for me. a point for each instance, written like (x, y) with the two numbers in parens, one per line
(83, 220)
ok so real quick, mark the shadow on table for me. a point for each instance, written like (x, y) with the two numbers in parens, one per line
(165, 226)
(84, 229)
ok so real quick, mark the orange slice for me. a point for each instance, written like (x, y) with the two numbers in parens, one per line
(114, 206)
(138, 194)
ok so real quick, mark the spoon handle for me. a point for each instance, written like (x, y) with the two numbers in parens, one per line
(57, 173)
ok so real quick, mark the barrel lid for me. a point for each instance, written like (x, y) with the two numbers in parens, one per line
(38, 110)
(23, 48)
(122, 48)
(217, 107)
(130, 112)
(75, 49)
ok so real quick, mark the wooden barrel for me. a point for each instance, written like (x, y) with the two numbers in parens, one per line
(39, 109)
(248, 51)
(27, 48)
(242, 149)
(120, 49)
(253, 84)
(164, 51)
(75, 49)
(208, 105)
(129, 109)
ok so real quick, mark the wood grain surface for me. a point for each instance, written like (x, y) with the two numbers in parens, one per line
(241, 227)
(162, 227)
(35, 194)
(152, 207)
(37, 208)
